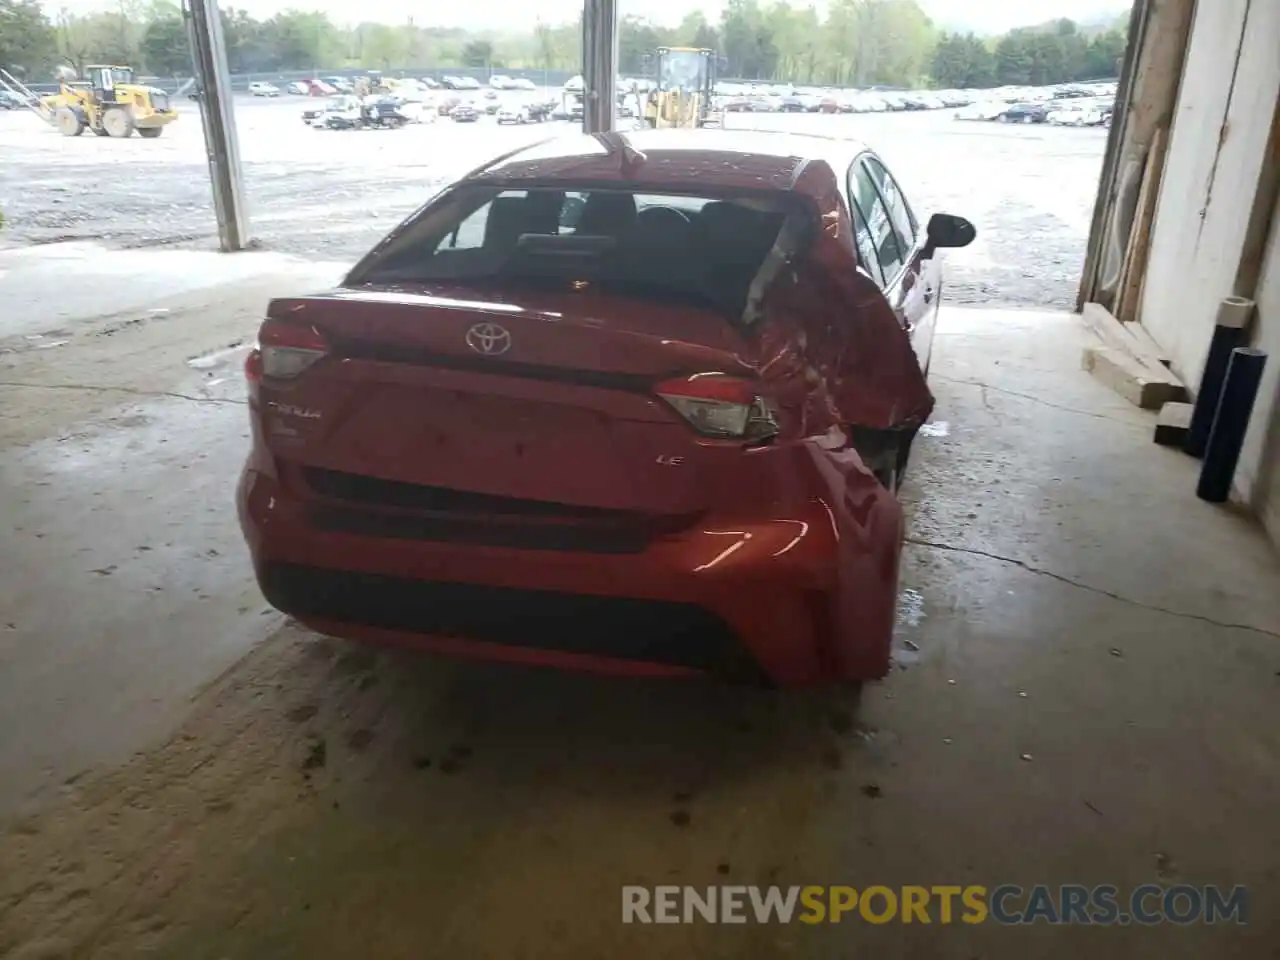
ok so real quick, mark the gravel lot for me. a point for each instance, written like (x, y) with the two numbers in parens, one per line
(331, 195)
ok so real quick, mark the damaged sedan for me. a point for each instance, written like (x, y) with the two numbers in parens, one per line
(625, 403)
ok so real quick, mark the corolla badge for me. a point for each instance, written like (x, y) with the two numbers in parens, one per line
(491, 339)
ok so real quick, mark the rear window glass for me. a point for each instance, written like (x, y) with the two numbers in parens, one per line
(702, 251)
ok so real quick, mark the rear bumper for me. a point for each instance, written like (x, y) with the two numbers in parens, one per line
(751, 600)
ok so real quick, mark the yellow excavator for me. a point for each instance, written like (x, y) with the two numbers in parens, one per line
(109, 102)
(682, 97)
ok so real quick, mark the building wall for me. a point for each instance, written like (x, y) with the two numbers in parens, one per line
(1215, 172)
(1259, 473)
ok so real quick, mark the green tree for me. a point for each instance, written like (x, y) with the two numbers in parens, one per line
(297, 41)
(982, 64)
(852, 42)
(545, 39)
(166, 50)
(637, 41)
(383, 46)
(901, 39)
(28, 44)
(1014, 59)
(747, 41)
(94, 38)
(695, 31)
(1103, 56)
(477, 53)
(950, 65)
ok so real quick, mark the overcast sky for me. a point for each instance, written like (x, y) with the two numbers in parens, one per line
(992, 16)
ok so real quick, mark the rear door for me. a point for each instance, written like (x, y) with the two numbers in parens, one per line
(891, 247)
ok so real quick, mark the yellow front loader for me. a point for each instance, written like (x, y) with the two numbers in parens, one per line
(683, 95)
(110, 103)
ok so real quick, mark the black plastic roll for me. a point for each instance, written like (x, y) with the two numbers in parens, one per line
(1225, 340)
(1231, 423)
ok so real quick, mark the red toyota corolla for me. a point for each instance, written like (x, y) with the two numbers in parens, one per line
(630, 403)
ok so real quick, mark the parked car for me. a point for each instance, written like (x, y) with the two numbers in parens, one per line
(418, 111)
(513, 114)
(385, 113)
(340, 84)
(317, 110)
(990, 110)
(342, 112)
(260, 88)
(1025, 113)
(10, 100)
(1074, 112)
(548, 419)
(464, 113)
(298, 88)
(746, 105)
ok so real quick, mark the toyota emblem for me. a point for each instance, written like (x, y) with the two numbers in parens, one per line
(489, 338)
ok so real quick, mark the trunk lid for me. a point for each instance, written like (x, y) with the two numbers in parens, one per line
(527, 400)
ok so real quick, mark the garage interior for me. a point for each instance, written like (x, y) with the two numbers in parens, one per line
(1087, 679)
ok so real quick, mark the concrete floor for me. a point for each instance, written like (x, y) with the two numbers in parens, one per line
(1088, 692)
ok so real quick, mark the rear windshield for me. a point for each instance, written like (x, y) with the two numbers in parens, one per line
(702, 251)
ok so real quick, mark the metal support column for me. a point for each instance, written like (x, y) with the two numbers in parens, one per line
(213, 82)
(599, 65)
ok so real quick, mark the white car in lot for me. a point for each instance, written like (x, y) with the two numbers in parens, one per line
(423, 110)
(512, 113)
(1078, 114)
(988, 110)
(260, 88)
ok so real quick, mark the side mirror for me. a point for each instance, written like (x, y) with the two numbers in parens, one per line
(947, 230)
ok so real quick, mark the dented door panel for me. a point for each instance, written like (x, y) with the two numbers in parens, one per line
(832, 344)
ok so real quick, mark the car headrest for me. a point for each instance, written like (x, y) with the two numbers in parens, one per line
(511, 217)
(733, 228)
(608, 213)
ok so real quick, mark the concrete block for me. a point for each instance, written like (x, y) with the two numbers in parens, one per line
(1173, 423)
(1131, 379)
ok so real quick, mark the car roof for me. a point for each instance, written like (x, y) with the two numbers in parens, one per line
(724, 158)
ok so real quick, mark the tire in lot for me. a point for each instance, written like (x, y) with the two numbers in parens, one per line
(150, 133)
(118, 123)
(68, 122)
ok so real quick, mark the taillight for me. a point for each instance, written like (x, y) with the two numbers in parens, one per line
(721, 406)
(284, 351)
